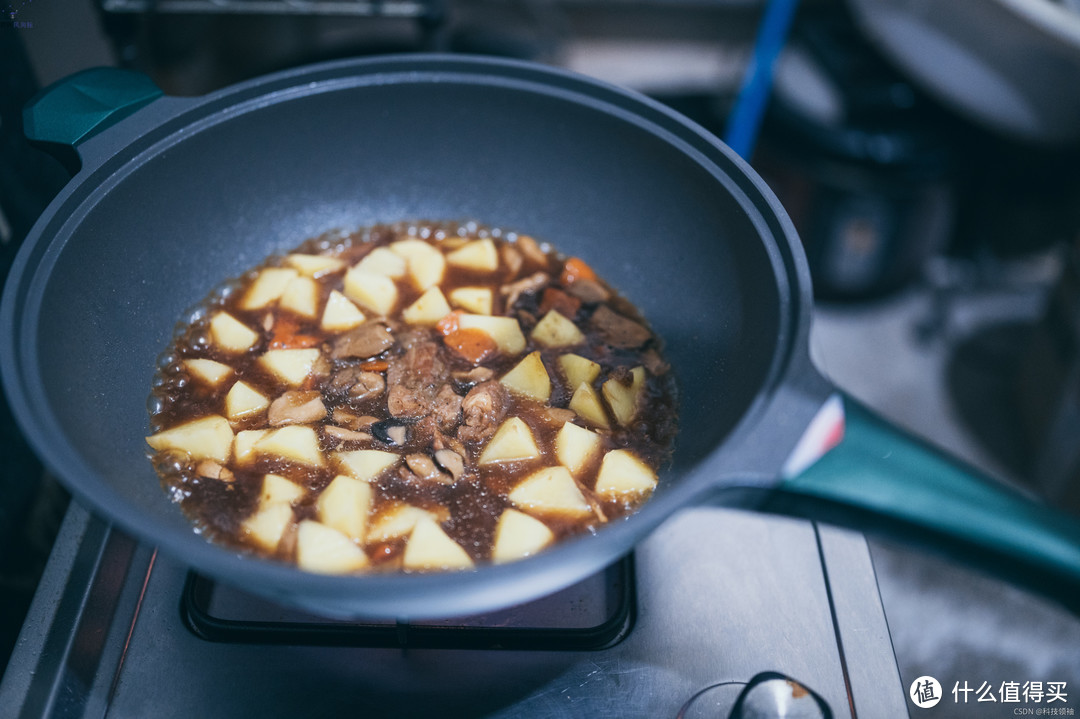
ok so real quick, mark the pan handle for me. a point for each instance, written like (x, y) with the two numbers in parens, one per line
(878, 478)
(75, 108)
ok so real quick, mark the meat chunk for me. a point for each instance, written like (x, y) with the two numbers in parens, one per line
(451, 462)
(367, 340)
(588, 291)
(531, 284)
(296, 407)
(484, 408)
(414, 379)
(618, 331)
(556, 299)
(447, 407)
(532, 251)
(345, 435)
(423, 467)
(357, 383)
(212, 470)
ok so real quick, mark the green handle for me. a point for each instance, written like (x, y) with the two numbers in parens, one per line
(79, 106)
(878, 469)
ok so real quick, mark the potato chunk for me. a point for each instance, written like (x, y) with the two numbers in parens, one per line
(208, 371)
(301, 296)
(550, 491)
(315, 265)
(624, 399)
(267, 287)
(230, 334)
(279, 490)
(512, 441)
(587, 405)
(430, 547)
(340, 314)
(426, 264)
(478, 255)
(294, 442)
(504, 330)
(529, 378)
(478, 300)
(397, 522)
(517, 535)
(206, 438)
(578, 369)
(244, 445)
(428, 309)
(575, 447)
(325, 550)
(382, 261)
(365, 464)
(373, 291)
(554, 330)
(244, 400)
(622, 475)
(345, 505)
(291, 366)
(268, 524)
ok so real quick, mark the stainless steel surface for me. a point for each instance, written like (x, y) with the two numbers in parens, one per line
(722, 596)
(777, 698)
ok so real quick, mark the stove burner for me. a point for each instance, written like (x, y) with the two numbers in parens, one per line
(597, 613)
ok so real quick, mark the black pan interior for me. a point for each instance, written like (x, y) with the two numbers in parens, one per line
(152, 235)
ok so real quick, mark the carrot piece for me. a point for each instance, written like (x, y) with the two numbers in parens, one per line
(286, 334)
(575, 269)
(449, 323)
(472, 344)
(555, 299)
(375, 366)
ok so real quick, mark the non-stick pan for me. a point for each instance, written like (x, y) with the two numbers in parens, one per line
(172, 195)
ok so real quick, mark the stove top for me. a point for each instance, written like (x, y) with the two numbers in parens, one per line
(709, 601)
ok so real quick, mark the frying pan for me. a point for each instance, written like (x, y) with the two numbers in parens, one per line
(172, 195)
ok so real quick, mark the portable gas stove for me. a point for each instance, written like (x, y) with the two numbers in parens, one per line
(710, 600)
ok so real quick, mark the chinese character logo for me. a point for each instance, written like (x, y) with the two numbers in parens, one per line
(925, 692)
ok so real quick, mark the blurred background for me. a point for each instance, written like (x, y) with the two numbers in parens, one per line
(927, 153)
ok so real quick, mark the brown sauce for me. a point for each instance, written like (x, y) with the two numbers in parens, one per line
(222, 494)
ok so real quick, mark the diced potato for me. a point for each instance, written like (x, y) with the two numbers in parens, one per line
(587, 405)
(268, 524)
(302, 297)
(426, 264)
(578, 369)
(550, 491)
(512, 441)
(623, 399)
(293, 442)
(430, 547)
(622, 474)
(340, 314)
(575, 447)
(315, 265)
(292, 366)
(554, 330)
(279, 490)
(396, 522)
(517, 535)
(376, 292)
(529, 378)
(479, 300)
(504, 330)
(207, 370)
(382, 261)
(267, 287)
(478, 255)
(244, 445)
(428, 309)
(243, 400)
(325, 550)
(345, 505)
(206, 438)
(365, 464)
(230, 334)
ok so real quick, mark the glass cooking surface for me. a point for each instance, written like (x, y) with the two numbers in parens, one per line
(593, 614)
